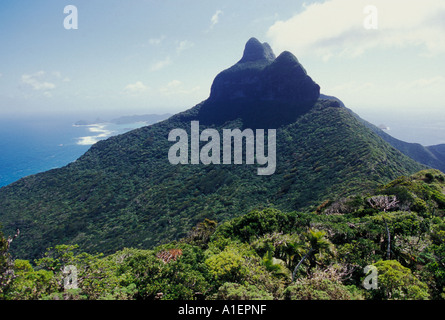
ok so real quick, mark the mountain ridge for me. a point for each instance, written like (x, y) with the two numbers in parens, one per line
(125, 186)
(124, 192)
(431, 156)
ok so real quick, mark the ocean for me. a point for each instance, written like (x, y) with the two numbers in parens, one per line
(32, 145)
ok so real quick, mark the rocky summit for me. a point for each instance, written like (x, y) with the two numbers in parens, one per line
(262, 90)
(256, 51)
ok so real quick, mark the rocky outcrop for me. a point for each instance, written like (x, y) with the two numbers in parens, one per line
(262, 90)
(256, 51)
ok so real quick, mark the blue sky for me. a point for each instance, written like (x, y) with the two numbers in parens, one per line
(142, 56)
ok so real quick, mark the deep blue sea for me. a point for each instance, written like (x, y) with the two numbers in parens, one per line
(29, 146)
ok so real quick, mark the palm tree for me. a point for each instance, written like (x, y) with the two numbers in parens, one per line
(292, 250)
(275, 266)
(318, 243)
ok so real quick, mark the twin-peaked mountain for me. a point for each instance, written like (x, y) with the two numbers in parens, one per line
(124, 192)
(262, 90)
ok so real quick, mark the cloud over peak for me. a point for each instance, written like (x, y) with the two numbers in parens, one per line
(336, 28)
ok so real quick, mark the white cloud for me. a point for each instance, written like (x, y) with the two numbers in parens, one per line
(425, 83)
(36, 81)
(135, 88)
(160, 64)
(176, 87)
(336, 28)
(353, 86)
(57, 74)
(156, 41)
(215, 18)
(410, 94)
(184, 45)
(172, 87)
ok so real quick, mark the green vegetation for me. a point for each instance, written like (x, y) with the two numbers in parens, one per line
(254, 255)
(432, 156)
(125, 185)
(122, 223)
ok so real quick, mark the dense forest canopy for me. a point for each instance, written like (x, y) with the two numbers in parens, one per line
(399, 229)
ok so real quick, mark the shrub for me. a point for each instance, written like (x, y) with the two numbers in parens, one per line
(317, 289)
(395, 282)
(322, 285)
(236, 291)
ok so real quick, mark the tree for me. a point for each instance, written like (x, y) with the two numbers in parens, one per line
(317, 243)
(322, 285)
(276, 266)
(388, 235)
(398, 283)
(140, 269)
(200, 235)
(436, 264)
(236, 291)
(228, 265)
(30, 284)
(285, 247)
(96, 276)
(384, 202)
(6, 265)
(169, 272)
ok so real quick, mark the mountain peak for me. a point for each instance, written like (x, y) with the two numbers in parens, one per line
(287, 57)
(262, 90)
(255, 50)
